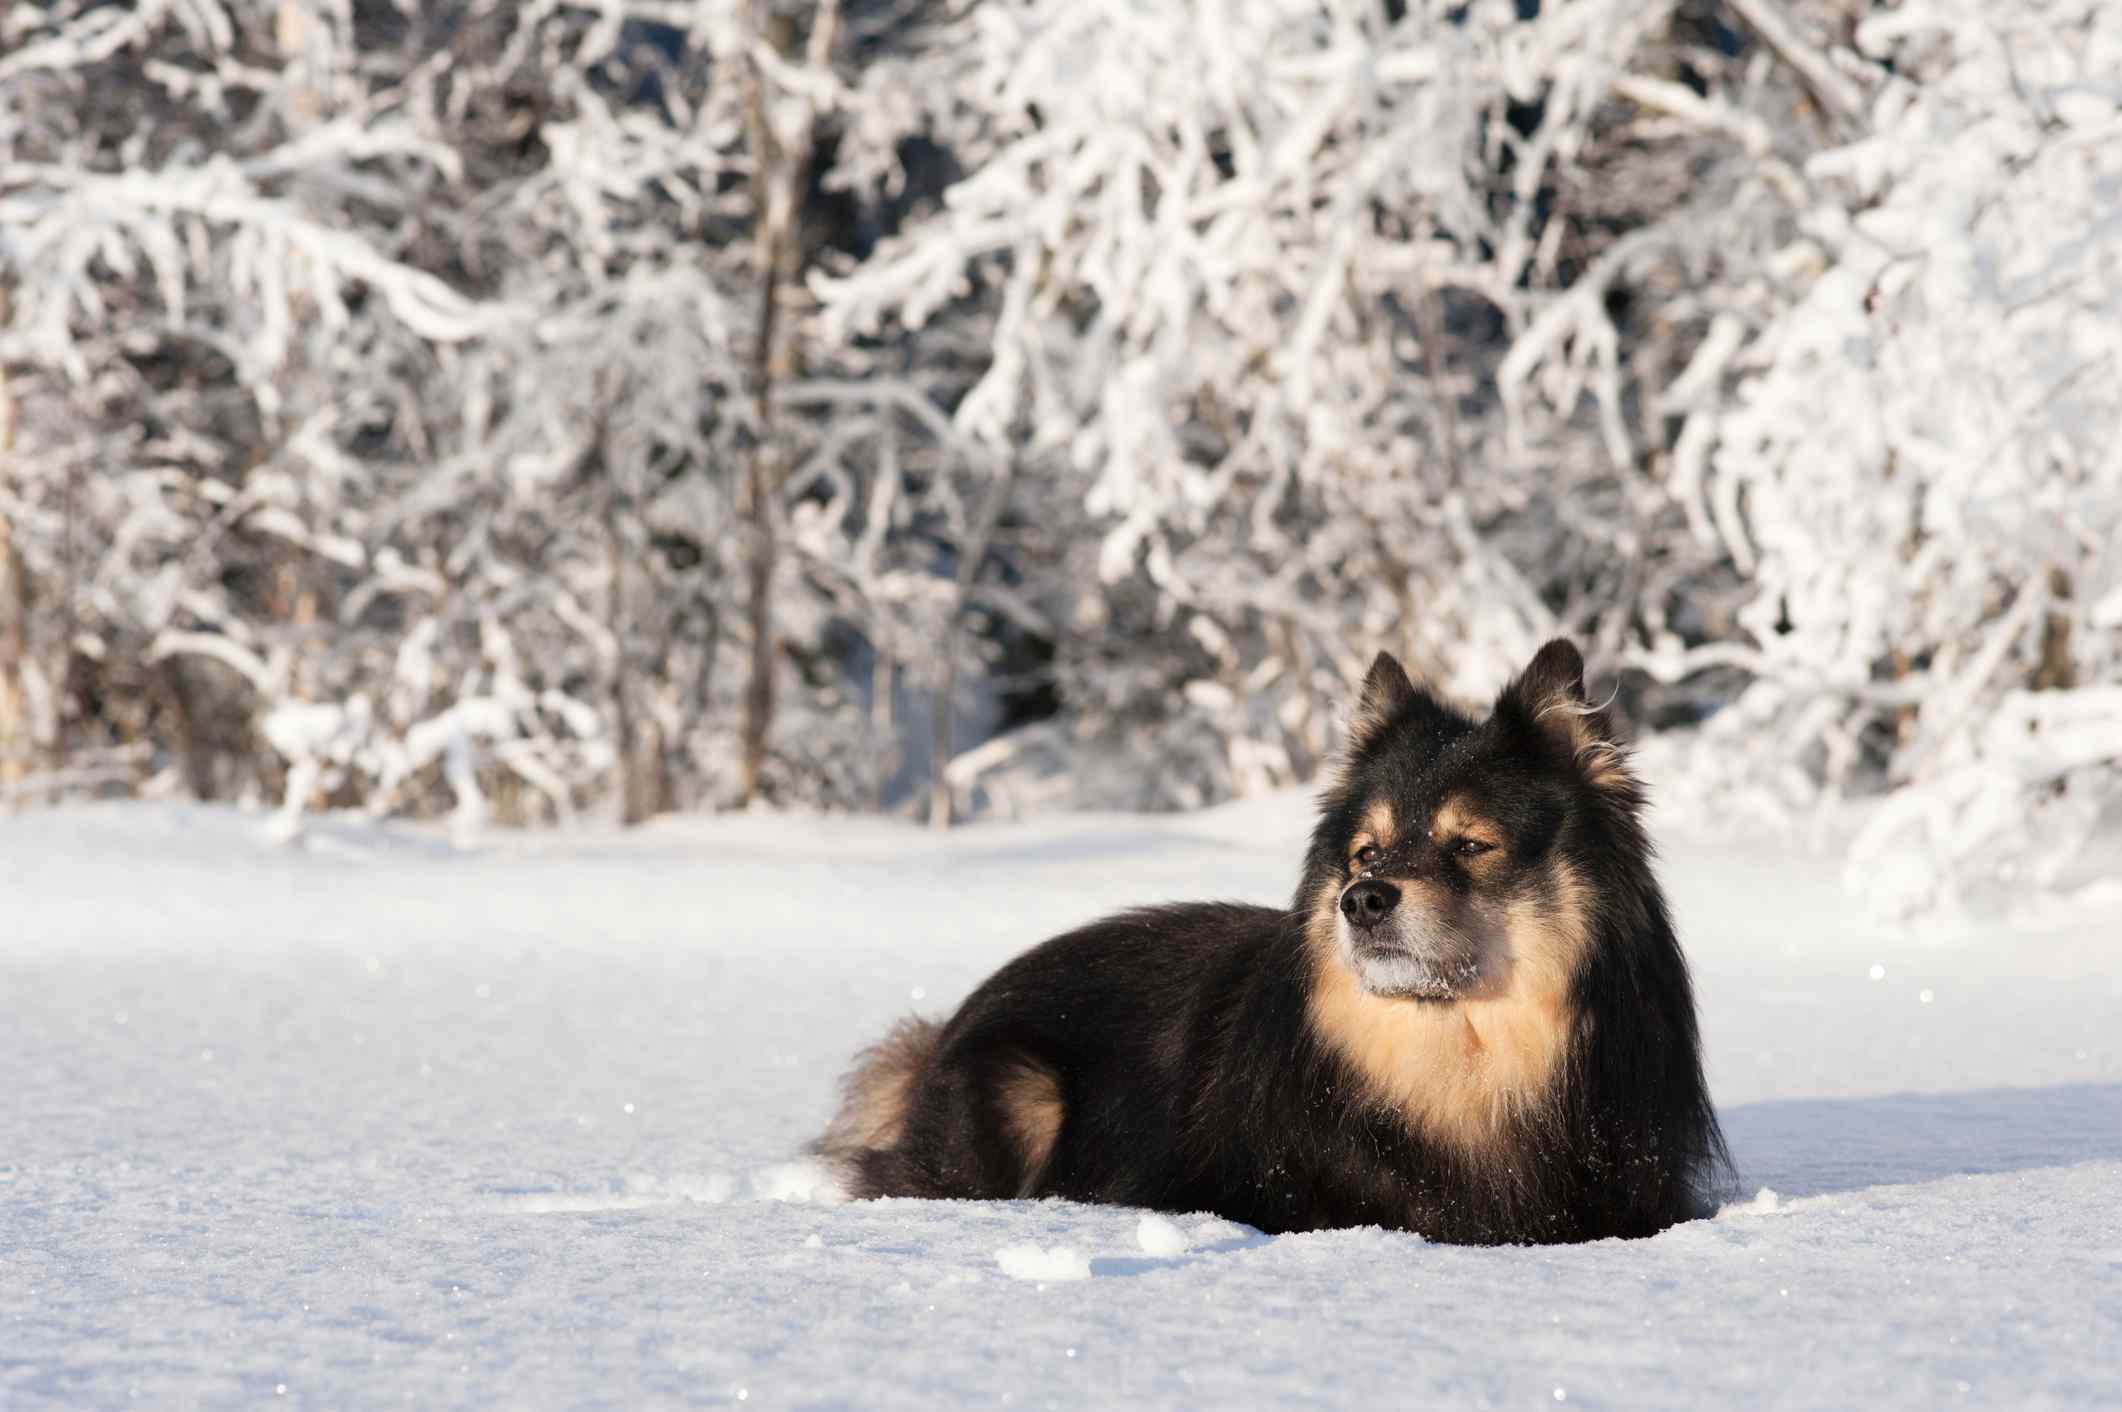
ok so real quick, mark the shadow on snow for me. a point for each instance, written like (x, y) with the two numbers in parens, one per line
(1815, 1146)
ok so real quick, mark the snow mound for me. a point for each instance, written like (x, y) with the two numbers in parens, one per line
(1045, 1264)
(797, 1181)
(1158, 1236)
(1765, 1203)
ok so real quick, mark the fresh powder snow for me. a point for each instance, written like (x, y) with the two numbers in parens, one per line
(362, 1120)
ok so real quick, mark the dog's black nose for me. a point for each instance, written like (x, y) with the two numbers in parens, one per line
(1369, 903)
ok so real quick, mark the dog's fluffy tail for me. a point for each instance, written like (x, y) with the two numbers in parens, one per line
(874, 1099)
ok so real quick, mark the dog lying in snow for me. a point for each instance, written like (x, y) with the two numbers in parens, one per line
(1474, 1021)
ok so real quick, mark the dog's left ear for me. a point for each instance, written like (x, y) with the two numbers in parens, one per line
(1386, 693)
(1549, 696)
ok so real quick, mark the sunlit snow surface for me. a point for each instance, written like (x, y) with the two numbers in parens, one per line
(365, 1121)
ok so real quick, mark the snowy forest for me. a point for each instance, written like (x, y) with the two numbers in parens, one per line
(521, 411)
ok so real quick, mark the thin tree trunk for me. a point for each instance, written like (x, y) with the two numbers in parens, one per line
(759, 619)
(762, 472)
(970, 555)
(14, 616)
(778, 168)
(14, 651)
(883, 728)
(637, 741)
(762, 479)
(940, 805)
(2057, 669)
(69, 581)
(634, 804)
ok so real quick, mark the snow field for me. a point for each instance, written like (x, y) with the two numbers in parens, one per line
(368, 1122)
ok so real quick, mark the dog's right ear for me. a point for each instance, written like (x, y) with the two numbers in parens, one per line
(1548, 698)
(1386, 693)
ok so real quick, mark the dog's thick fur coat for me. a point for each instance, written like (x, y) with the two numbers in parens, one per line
(1475, 1022)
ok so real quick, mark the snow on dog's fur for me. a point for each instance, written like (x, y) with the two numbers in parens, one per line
(1475, 1022)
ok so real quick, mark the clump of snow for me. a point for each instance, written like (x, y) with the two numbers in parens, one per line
(1214, 1230)
(1045, 1263)
(1765, 1203)
(796, 1181)
(1158, 1236)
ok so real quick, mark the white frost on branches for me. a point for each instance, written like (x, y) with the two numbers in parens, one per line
(395, 412)
(1925, 445)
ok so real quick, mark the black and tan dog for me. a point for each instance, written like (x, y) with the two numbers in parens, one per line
(1474, 1023)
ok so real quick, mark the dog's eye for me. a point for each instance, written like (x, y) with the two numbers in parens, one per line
(1472, 847)
(1365, 856)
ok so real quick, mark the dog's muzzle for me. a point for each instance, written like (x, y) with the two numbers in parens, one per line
(1396, 948)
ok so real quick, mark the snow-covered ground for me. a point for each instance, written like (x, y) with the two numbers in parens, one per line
(366, 1121)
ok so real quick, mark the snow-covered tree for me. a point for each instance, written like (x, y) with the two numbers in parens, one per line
(521, 409)
(1349, 323)
(1920, 478)
(394, 388)
(1768, 348)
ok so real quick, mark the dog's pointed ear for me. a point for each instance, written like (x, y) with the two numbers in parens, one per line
(1554, 678)
(1386, 693)
(1549, 697)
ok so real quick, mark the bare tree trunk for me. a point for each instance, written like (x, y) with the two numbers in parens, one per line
(970, 555)
(762, 471)
(637, 741)
(14, 650)
(759, 619)
(777, 171)
(14, 616)
(69, 582)
(644, 764)
(883, 729)
(710, 651)
(941, 807)
(634, 806)
(2057, 669)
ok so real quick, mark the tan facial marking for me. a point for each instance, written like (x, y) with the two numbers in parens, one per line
(1458, 1070)
(1456, 818)
(1030, 1097)
(1377, 829)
